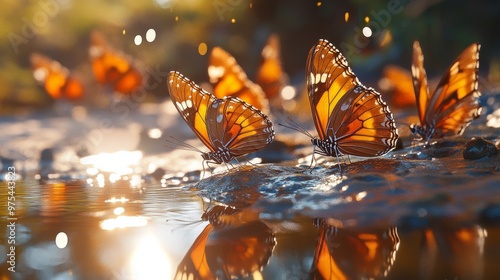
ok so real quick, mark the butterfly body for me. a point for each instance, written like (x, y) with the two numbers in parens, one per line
(350, 118)
(229, 127)
(454, 103)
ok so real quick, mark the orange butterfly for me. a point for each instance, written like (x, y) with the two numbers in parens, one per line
(454, 103)
(55, 78)
(354, 254)
(398, 83)
(229, 79)
(227, 251)
(270, 75)
(350, 118)
(113, 67)
(229, 127)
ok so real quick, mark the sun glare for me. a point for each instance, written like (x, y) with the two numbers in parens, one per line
(149, 260)
(118, 162)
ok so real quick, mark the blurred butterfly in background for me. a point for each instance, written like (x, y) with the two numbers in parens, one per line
(397, 83)
(227, 251)
(270, 75)
(350, 118)
(229, 79)
(113, 67)
(349, 253)
(454, 103)
(229, 127)
(55, 78)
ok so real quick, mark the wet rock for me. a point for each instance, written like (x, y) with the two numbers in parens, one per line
(478, 148)
(158, 173)
(46, 164)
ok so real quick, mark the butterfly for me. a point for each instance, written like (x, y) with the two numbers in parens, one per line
(350, 118)
(349, 253)
(397, 82)
(229, 79)
(113, 67)
(55, 78)
(270, 75)
(454, 103)
(227, 251)
(229, 127)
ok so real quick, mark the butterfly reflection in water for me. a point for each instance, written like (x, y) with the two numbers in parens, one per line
(227, 250)
(353, 253)
(229, 127)
(350, 118)
(454, 103)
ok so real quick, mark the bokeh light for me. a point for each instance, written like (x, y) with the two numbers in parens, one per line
(137, 40)
(150, 35)
(202, 48)
(367, 32)
(61, 240)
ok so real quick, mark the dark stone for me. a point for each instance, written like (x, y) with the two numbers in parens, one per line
(478, 148)
(490, 214)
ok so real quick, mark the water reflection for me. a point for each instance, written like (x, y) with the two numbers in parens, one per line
(453, 253)
(353, 253)
(227, 248)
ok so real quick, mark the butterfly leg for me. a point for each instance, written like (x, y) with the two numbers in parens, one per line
(338, 161)
(249, 161)
(313, 160)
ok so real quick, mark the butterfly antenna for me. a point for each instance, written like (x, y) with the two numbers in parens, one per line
(291, 124)
(181, 145)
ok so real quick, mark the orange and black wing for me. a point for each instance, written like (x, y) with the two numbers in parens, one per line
(193, 103)
(454, 103)
(55, 78)
(346, 254)
(270, 75)
(344, 110)
(229, 79)
(324, 265)
(420, 85)
(220, 123)
(194, 265)
(238, 126)
(113, 67)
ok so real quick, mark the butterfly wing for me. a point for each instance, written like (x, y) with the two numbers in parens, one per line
(343, 109)
(238, 126)
(454, 103)
(113, 67)
(420, 85)
(194, 264)
(220, 123)
(324, 265)
(344, 254)
(55, 78)
(270, 74)
(193, 103)
(229, 79)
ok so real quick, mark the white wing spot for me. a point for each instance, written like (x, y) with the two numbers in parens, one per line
(324, 76)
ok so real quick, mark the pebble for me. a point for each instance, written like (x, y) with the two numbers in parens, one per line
(478, 148)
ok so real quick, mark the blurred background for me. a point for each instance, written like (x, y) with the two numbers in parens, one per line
(184, 30)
